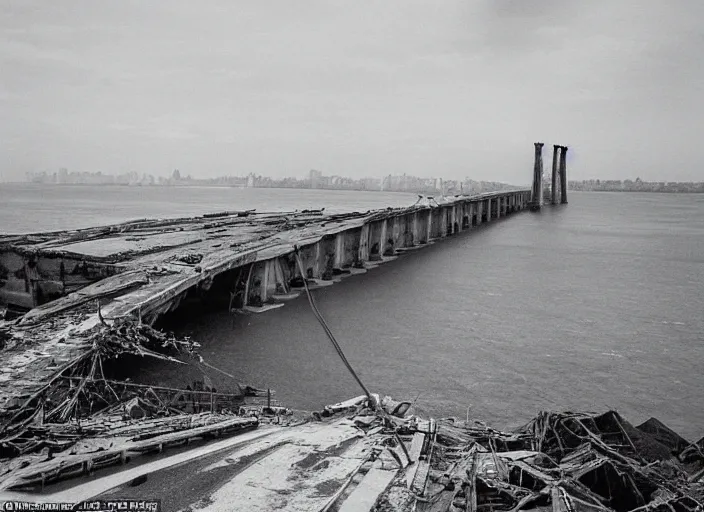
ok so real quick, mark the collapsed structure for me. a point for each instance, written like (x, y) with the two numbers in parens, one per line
(68, 284)
(374, 455)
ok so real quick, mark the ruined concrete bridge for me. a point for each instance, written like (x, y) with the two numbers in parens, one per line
(146, 268)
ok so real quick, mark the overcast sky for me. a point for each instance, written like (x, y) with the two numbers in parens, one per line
(450, 88)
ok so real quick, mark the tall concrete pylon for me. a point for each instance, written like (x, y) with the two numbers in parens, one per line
(563, 176)
(537, 193)
(555, 166)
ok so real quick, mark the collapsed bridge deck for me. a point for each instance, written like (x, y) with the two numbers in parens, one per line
(146, 268)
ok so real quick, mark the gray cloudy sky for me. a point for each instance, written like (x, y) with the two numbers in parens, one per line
(450, 88)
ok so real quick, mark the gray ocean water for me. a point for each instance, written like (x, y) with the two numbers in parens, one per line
(599, 304)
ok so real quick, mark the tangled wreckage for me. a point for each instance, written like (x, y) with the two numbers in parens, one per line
(361, 454)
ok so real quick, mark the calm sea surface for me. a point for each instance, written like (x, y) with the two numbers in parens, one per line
(595, 305)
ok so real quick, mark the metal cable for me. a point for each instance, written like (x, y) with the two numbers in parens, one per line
(372, 401)
(327, 330)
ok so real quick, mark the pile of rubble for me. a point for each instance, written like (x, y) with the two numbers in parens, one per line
(80, 419)
(557, 462)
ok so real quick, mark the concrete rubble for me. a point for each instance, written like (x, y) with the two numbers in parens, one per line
(364, 455)
(391, 461)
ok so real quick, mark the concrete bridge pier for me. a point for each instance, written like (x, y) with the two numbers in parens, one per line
(339, 259)
(395, 239)
(421, 228)
(429, 226)
(363, 251)
(563, 176)
(377, 237)
(265, 280)
(415, 230)
(443, 222)
(347, 248)
(434, 224)
(537, 190)
(466, 216)
(383, 240)
(309, 260)
(456, 219)
(553, 189)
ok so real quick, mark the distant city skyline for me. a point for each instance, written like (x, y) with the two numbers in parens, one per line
(315, 180)
(318, 180)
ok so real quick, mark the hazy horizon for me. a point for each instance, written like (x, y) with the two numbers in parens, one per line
(449, 89)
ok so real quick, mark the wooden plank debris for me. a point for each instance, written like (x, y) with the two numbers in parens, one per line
(368, 490)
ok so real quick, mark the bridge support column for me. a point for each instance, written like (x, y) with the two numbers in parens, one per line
(326, 257)
(377, 239)
(429, 227)
(537, 192)
(443, 222)
(421, 229)
(393, 229)
(363, 252)
(563, 176)
(347, 244)
(555, 158)
(415, 230)
(339, 255)
(386, 239)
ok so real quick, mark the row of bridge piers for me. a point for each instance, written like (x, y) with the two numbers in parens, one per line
(354, 250)
(559, 173)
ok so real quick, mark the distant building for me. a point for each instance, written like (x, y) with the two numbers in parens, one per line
(315, 178)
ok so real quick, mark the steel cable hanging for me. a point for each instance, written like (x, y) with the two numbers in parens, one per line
(329, 333)
(372, 401)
